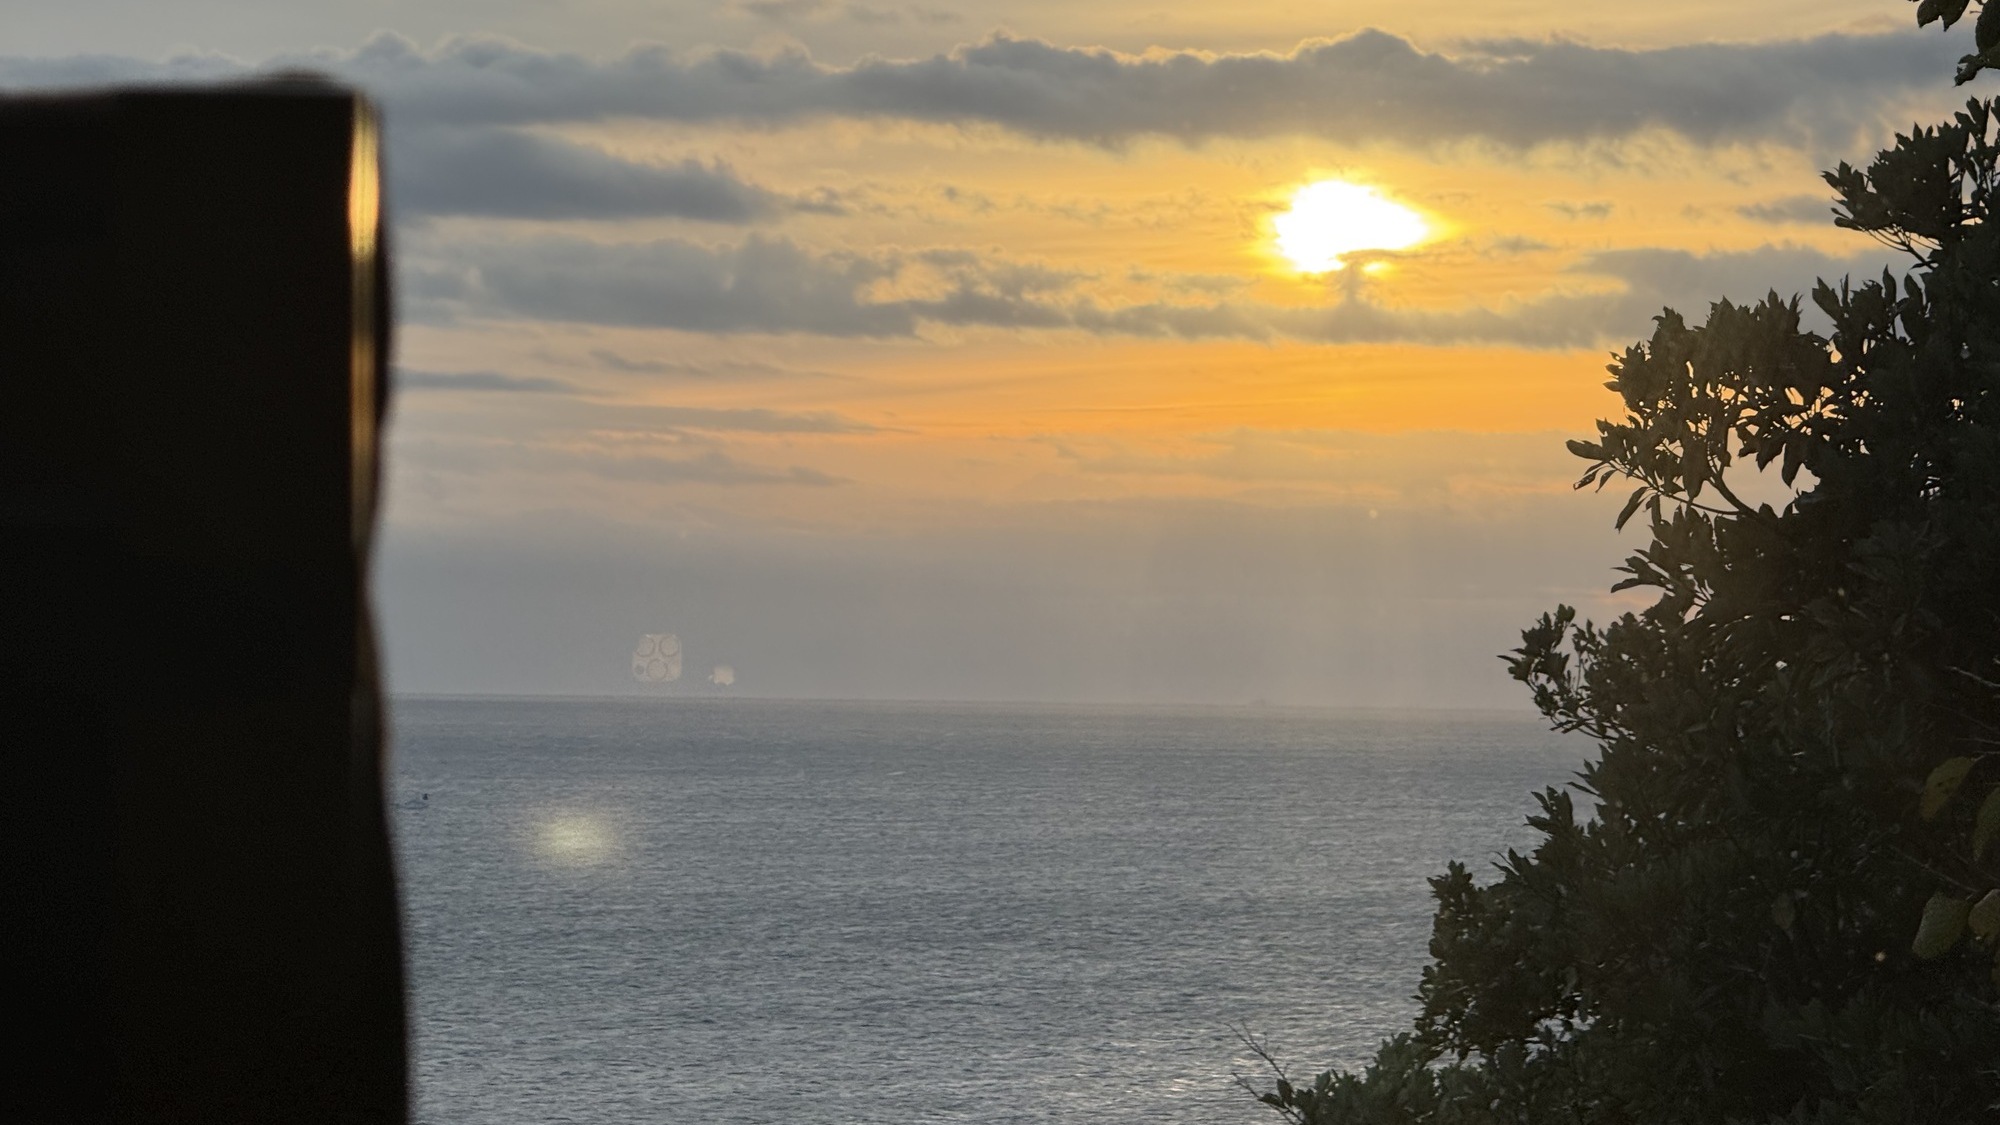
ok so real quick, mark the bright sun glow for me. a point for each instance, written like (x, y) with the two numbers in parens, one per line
(1333, 218)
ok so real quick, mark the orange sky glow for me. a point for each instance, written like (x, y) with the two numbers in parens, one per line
(986, 303)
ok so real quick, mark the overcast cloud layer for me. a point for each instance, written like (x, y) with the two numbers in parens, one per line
(458, 112)
(1367, 87)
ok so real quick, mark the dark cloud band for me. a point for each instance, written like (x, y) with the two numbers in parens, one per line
(507, 173)
(773, 286)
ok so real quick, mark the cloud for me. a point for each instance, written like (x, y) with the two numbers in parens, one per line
(613, 361)
(711, 467)
(740, 420)
(781, 10)
(1811, 209)
(1369, 87)
(773, 286)
(408, 379)
(704, 371)
(1556, 321)
(1213, 284)
(1646, 279)
(787, 11)
(488, 170)
(1690, 281)
(1404, 468)
(762, 285)
(578, 413)
(1513, 245)
(909, 13)
(508, 173)
(1594, 209)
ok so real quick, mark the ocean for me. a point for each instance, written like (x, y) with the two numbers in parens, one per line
(703, 911)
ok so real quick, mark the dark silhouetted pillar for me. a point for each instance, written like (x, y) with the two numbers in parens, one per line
(199, 901)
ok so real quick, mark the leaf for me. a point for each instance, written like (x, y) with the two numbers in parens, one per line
(1943, 924)
(1942, 785)
(1631, 506)
(1969, 67)
(1988, 825)
(1986, 33)
(1931, 11)
(1984, 918)
(1795, 455)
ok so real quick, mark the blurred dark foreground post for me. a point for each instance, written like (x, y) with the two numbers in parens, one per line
(200, 906)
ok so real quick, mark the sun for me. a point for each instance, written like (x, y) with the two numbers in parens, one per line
(1332, 219)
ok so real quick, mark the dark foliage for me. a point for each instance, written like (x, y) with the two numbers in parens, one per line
(1985, 31)
(1783, 907)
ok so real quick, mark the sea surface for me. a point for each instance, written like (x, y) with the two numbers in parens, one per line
(711, 911)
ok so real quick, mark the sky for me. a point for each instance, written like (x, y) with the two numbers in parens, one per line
(943, 349)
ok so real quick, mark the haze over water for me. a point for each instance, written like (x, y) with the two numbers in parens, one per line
(723, 911)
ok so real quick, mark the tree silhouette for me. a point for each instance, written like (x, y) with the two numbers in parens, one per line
(1783, 907)
(1985, 31)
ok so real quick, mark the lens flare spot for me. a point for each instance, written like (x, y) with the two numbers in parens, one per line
(573, 839)
(1332, 220)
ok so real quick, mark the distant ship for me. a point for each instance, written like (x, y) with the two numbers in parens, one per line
(657, 659)
(723, 676)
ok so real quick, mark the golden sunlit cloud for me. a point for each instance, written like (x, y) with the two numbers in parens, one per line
(1332, 219)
